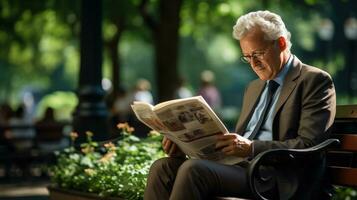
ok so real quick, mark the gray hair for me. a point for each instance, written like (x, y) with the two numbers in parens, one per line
(270, 23)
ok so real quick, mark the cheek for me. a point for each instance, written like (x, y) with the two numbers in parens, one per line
(267, 73)
(270, 66)
(274, 63)
(263, 74)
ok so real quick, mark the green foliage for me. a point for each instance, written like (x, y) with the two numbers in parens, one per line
(37, 40)
(111, 170)
(41, 44)
(345, 193)
(62, 102)
(344, 99)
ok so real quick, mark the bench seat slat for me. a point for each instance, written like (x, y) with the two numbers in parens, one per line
(343, 176)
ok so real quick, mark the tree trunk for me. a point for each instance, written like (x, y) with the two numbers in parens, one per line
(91, 113)
(166, 45)
(115, 58)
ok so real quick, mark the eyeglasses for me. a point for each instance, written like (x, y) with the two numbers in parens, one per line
(256, 55)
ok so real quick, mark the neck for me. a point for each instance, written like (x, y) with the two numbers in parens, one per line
(286, 55)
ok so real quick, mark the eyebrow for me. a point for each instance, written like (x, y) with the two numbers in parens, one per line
(254, 52)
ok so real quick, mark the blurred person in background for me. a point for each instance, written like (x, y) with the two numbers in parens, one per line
(142, 91)
(120, 109)
(209, 91)
(182, 90)
(49, 132)
(121, 106)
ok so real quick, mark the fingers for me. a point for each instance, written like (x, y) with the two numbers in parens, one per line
(227, 136)
(166, 145)
(220, 145)
(163, 140)
(233, 144)
(171, 148)
(230, 146)
(224, 141)
(229, 149)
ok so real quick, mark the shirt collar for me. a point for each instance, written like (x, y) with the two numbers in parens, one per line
(281, 75)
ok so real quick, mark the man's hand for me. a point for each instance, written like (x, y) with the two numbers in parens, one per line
(171, 148)
(234, 144)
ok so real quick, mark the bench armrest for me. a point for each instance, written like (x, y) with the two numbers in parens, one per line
(283, 160)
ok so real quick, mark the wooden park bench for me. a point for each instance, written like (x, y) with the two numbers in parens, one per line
(337, 153)
(33, 155)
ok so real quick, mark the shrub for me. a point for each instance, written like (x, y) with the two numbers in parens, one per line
(110, 169)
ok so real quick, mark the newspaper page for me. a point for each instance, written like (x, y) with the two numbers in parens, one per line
(144, 112)
(191, 124)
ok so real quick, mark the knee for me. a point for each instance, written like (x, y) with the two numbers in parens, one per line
(193, 168)
(158, 165)
(164, 165)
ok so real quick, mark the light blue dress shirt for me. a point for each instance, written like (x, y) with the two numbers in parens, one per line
(266, 131)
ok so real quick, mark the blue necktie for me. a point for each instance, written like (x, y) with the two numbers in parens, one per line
(272, 87)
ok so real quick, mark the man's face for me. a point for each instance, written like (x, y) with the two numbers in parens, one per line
(264, 56)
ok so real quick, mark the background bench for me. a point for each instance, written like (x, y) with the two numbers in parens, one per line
(41, 153)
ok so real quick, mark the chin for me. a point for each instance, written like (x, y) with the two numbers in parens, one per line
(263, 78)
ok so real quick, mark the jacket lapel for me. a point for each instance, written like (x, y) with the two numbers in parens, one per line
(289, 84)
(252, 97)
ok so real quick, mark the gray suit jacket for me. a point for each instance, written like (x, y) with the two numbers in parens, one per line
(304, 112)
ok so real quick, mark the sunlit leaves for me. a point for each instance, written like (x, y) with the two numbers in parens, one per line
(71, 61)
(33, 40)
(224, 8)
(21, 56)
(236, 8)
(50, 57)
(109, 30)
(3, 37)
(305, 33)
(5, 11)
(202, 12)
(222, 51)
(63, 102)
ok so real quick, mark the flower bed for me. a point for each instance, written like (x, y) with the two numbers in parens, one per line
(108, 170)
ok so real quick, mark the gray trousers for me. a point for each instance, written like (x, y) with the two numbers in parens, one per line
(177, 178)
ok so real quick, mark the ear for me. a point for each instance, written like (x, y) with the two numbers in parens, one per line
(282, 43)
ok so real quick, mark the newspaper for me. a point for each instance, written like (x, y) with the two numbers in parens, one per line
(188, 122)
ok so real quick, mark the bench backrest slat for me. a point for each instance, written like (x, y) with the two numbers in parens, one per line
(348, 141)
(342, 160)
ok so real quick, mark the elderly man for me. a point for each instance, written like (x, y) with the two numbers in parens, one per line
(291, 105)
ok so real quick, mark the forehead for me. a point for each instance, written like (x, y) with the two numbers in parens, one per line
(253, 40)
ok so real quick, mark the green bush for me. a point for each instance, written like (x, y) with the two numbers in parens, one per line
(111, 169)
(344, 193)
